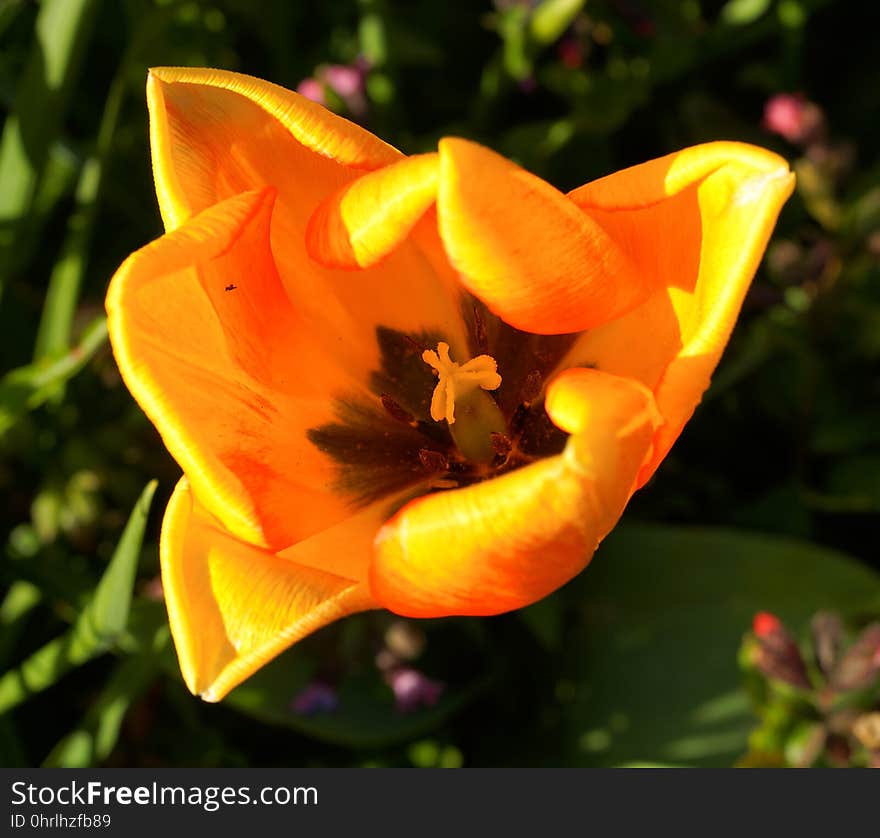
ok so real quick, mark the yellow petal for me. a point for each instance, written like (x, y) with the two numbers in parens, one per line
(363, 222)
(507, 542)
(232, 607)
(739, 207)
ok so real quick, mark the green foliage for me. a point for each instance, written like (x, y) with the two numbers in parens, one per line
(98, 626)
(61, 30)
(653, 646)
(95, 737)
(28, 387)
(365, 716)
(635, 662)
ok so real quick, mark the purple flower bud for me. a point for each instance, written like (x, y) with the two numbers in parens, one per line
(764, 623)
(778, 654)
(827, 631)
(317, 697)
(860, 665)
(412, 689)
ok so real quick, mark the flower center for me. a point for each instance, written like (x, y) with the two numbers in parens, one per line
(464, 386)
(440, 424)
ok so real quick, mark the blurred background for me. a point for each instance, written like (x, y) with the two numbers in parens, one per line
(731, 618)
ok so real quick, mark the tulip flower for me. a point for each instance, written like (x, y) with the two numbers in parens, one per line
(428, 384)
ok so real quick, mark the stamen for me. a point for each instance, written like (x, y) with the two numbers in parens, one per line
(461, 387)
(458, 380)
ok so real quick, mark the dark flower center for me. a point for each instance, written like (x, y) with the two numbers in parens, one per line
(384, 445)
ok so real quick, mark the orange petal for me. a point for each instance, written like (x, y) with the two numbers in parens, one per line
(507, 542)
(233, 607)
(177, 164)
(363, 222)
(698, 221)
(647, 183)
(526, 250)
(227, 376)
(216, 134)
(739, 208)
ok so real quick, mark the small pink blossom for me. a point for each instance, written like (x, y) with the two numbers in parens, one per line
(412, 689)
(348, 82)
(344, 79)
(791, 116)
(312, 89)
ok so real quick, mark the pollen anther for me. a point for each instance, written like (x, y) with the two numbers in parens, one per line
(458, 380)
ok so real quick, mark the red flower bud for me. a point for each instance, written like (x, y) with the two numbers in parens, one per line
(764, 623)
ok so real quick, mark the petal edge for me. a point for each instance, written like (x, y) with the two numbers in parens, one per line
(232, 606)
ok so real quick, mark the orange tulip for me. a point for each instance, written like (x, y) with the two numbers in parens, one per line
(428, 384)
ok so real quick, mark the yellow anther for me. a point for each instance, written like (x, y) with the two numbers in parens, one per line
(457, 381)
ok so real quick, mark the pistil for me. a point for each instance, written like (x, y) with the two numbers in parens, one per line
(461, 399)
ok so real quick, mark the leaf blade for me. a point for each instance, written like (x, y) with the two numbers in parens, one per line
(99, 625)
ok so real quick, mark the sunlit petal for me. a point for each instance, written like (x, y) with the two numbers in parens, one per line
(216, 134)
(363, 222)
(699, 221)
(232, 606)
(507, 542)
(208, 344)
(526, 250)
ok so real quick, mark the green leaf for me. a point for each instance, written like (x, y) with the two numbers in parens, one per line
(57, 181)
(100, 624)
(9, 10)
(855, 483)
(108, 611)
(545, 619)
(371, 32)
(512, 29)
(66, 279)
(552, 18)
(62, 29)
(660, 615)
(11, 746)
(366, 715)
(20, 600)
(742, 12)
(94, 739)
(26, 388)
